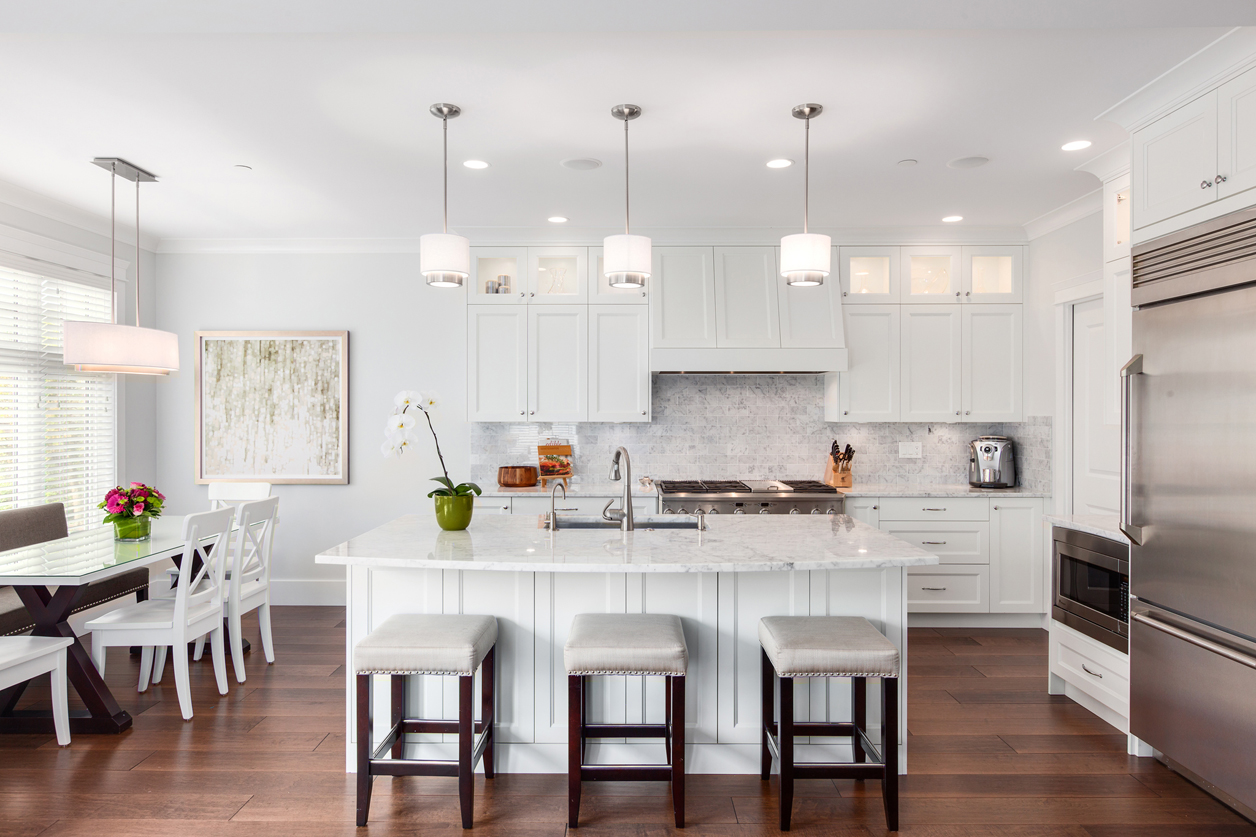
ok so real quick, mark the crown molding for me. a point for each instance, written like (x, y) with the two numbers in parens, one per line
(55, 210)
(1109, 165)
(1062, 216)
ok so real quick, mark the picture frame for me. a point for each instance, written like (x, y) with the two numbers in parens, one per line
(272, 406)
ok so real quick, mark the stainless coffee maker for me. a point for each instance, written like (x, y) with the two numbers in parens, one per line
(991, 462)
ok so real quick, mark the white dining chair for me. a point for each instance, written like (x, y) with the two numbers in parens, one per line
(25, 657)
(223, 494)
(195, 610)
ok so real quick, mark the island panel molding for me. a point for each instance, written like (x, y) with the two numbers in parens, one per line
(272, 406)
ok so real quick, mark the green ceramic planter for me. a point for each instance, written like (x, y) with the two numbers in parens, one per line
(135, 529)
(454, 513)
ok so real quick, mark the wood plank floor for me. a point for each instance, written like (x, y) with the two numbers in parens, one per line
(991, 754)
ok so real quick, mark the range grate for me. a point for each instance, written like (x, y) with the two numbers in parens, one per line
(812, 486)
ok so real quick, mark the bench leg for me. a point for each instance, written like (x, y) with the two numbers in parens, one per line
(575, 759)
(364, 747)
(676, 737)
(859, 715)
(889, 749)
(466, 744)
(488, 672)
(769, 715)
(785, 740)
(667, 718)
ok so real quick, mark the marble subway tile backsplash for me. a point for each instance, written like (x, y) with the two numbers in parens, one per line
(758, 427)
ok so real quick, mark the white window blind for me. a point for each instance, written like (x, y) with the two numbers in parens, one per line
(57, 426)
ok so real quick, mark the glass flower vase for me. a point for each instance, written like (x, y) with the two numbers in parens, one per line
(133, 529)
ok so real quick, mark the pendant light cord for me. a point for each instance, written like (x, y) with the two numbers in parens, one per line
(113, 243)
(806, 172)
(444, 122)
(137, 249)
(626, 206)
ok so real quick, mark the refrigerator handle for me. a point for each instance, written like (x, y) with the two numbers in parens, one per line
(1195, 639)
(1128, 371)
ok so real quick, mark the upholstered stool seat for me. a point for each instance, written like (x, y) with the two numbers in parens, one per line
(829, 646)
(633, 644)
(439, 644)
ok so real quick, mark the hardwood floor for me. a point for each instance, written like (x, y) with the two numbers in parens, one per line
(991, 754)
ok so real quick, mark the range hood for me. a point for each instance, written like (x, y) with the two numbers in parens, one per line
(763, 361)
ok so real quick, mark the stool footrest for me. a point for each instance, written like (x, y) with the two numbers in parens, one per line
(419, 725)
(625, 730)
(803, 770)
(626, 772)
(413, 767)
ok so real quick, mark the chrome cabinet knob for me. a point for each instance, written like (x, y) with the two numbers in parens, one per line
(643, 412)
(968, 412)
(968, 293)
(532, 412)
(846, 412)
(957, 412)
(1220, 179)
(531, 295)
(874, 508)
(521, 412)
(957, 293)
(1205, 184)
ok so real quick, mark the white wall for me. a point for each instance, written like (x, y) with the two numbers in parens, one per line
(402, 335)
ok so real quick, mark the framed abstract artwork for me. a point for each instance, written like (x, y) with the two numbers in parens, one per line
(272, 406)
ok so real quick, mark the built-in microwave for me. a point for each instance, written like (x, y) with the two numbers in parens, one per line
(1091, 586)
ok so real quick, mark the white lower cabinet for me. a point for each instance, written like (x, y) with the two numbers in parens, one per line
(582, 505)
(1098, 671)
(951, 588)
(954, 542)
(1016, 556)
(492, 505)
(865, 509)
(619, 363)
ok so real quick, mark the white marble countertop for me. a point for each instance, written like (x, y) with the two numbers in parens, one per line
(518, 543)
(576, 489)
(1103, 525)
(615, 489)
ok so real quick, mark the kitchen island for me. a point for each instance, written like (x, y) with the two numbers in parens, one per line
(719, 581)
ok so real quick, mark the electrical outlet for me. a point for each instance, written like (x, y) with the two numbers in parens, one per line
(910, 450)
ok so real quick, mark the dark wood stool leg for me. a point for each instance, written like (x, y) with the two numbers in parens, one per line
(859, 715)
(364, 747)
(488, 713)
(398, 705)
(676, 734)
(466, 743)
(889, 750)
(575, 748)
(586, 691)
(667, 719)
(769, 715)
(785, 740)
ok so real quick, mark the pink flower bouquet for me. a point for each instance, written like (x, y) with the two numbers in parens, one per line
(122, 504)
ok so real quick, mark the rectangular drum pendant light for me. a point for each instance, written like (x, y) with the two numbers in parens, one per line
(110, 347)
(626, 258)
(806, 256)
(445, 258)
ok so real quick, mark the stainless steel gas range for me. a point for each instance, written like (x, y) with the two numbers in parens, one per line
(748, 497)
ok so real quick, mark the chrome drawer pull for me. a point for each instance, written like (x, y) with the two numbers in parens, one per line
(936, 589)
(1091, 673)
(933, 543)
(933, 509)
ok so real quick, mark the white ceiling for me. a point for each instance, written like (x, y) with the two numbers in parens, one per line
(337, 130)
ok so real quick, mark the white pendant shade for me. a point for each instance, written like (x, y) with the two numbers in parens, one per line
(445, 259)
(106, 347)
(806, 258)
(626, 260)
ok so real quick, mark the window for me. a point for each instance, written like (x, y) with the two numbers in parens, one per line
(56, 425)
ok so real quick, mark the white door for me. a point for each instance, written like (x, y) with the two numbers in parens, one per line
(558, 362)
(600, 290)
(992, 274)
(869, 389)
(619, 363)
(869, 275)
(1174, 162)
(1236, 135)
(558, 275)
(683, 306)
(745, 298)
(929, 274)
(992, 370)
(1096, 444)
(1016, 555)
(864, 509)
(931, 362)
(811, 317)
(497, 363)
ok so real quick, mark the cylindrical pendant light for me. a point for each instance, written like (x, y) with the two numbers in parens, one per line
(110, 347)
(445, 258)
(806, 257)
(626, 258)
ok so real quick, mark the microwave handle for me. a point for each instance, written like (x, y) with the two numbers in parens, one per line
(1128, 371)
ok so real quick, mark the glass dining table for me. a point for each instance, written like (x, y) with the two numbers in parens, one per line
(50, 578)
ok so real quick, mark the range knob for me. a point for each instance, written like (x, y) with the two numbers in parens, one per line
(713, 510)
(764, 510)
(815, 511)
(739, 511)
(668, 510)
(794, 510)
(830, 511)
(683, 510)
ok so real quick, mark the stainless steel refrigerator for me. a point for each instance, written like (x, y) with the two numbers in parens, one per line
(1188, 503)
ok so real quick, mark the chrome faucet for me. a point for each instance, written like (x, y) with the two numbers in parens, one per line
(624, 513)
(551, 520)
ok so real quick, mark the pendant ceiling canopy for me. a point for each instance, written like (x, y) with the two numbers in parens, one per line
(806, 257)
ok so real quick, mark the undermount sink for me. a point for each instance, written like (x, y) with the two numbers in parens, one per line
(610, 525)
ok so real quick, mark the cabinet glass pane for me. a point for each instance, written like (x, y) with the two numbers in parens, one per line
(992, 275)
(557, 276)
(1123, 216)
(496, 275)
(869, 274)
(930, 275)
(604, 286)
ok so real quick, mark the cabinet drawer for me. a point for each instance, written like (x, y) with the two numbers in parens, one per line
(492, 505)
(948, 589)
(960, 542)
(935, 508)
(1094, 668)
(582, 505)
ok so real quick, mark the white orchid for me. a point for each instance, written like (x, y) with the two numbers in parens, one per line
(399, 423)
(429, 400)
(408, 398)
(391, 448)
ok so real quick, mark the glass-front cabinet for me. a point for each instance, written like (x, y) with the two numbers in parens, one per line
(603, 294)
(993, 273)
(498, 276)
(869, 275)
(558, 275)
(929, 274)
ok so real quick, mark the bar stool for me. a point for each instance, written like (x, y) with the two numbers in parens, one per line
(830, 646)
(409, 644)
(633, 644)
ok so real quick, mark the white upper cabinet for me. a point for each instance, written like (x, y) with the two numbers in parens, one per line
(1236, 135)
(931, 362)
(991, 363)
(929, 275)
(497, 363)
(683, 306)
(619, 363)
(1174, 162)
(558, 363)
(992, 274)
(745, 298)
(558, 275)
(868, 275)
(499, 276)
(601, 291)
(811, 317)
(870, 388)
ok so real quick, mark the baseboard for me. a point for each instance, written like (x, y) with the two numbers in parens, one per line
(978, 620)
(301, 591)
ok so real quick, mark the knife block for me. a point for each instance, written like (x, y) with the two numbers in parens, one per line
(834, 477)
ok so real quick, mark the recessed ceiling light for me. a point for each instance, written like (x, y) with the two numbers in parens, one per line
(951, 219)
(557, 219)
(475, 164)
(581, 164)
(967, 162)
(908, 162)
(780, 164)
(1075, 145)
